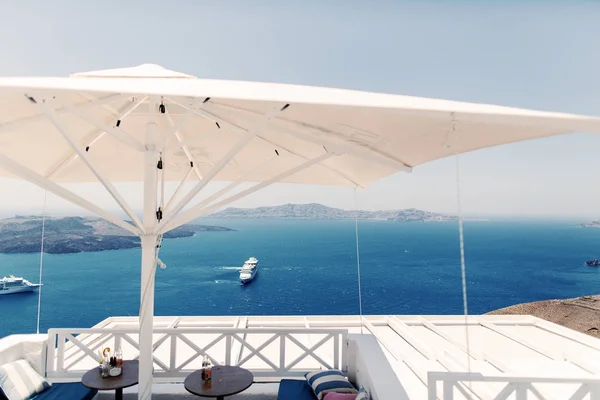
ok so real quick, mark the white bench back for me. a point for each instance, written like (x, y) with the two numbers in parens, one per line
(31, 348)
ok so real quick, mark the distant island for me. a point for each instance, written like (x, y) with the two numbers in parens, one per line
(22, 234)
(591, 224)
(319, 211)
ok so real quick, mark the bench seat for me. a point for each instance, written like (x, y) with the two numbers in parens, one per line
(295, 389)
(63, 391)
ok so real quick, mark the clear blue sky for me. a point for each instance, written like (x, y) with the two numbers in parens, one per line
(535, 54)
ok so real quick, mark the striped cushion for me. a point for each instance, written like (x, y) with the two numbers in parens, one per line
(332, 380)
(19, 381)
(362, 394)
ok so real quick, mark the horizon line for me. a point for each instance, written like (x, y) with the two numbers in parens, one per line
(72, 212)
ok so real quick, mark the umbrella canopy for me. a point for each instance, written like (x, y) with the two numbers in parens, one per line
(151, 124)
(371, 135)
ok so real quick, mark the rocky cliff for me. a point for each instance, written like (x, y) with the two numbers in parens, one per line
(22, 234)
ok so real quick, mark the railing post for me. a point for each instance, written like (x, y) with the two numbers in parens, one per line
(448, 389)
(51, 351)
(594, 391)
(431, 387)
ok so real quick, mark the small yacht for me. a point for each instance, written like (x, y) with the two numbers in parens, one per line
(13, 284)
(593, 263)
(249, 270)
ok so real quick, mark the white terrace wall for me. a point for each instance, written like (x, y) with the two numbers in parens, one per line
(369, 367)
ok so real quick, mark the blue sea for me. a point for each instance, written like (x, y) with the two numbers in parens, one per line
(309, 267)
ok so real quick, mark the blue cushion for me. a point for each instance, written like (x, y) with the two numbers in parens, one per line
(332, 380)
(63, 391)
(294, 389)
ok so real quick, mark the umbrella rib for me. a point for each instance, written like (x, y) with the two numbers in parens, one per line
(61, 111)
(250, 134)
(335, 171)
(360, 152)
(37, 179)
(198, 211)
(175, 127)
(93, 138)
(54, 119)
(233, 185)
(232, 126)
(117, 132)
(176, 192)
(186, 150)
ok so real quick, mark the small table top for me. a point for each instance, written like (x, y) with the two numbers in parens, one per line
(226, 380)
(129, 377)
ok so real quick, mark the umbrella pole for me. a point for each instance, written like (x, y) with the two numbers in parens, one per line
(147, 316)
(148, 268)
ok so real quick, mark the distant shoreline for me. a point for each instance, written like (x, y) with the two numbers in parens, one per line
(67, 235)
(316, 211)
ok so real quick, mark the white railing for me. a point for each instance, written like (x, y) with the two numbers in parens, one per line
(503, 387)
(270, 353)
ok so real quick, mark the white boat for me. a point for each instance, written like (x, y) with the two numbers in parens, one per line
(14, 284)
(249, 270)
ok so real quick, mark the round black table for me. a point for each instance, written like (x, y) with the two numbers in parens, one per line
(226, 380)
(129, 377)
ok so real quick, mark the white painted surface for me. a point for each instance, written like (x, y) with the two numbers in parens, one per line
(495, 349)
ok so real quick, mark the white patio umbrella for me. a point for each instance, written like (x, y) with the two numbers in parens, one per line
(153, 125)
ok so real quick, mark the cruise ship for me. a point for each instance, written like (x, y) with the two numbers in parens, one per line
(13, 284)
(249, 270)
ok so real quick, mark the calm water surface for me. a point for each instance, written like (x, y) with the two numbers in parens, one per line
(309, 267)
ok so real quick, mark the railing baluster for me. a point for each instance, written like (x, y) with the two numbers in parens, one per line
(61, 353)
(336, 351)
(521, 391)
(448, 390)
(345, 351)
(228, 344)
(282, 339)
(173, 354)
(118, 339)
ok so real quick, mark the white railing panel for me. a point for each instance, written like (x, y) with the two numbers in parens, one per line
(463, 385)
(270, 353)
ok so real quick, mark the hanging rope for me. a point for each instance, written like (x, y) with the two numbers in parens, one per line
(39, 306)
(358, 262)
(463, 267)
